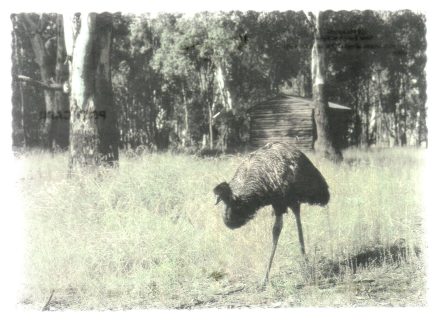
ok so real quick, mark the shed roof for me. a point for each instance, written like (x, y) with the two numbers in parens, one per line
(289, 99)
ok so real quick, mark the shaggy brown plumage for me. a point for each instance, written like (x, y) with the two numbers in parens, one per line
(277, 174)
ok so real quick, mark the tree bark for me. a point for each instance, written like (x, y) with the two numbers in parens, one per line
(210, 124)
(379, 111)
(323, 144)
(224, 86)
(50, 60)
(93, 130)
(187, 134)
(367, 114)
(17, 62)
(61, 122)
(34, 31)
(206, 81)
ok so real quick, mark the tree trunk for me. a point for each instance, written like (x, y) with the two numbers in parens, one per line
(403, 113)
(367, 114)
(107, 125)
(187, 134)
(50, 60)
(379, 111)
(357, 121)
(61, 121)
(23, 110)
(21, 101)
(210, 124)
(206, 82)
(419, 127)
(224, 86)
(323, 144)
(396, 124)
(93, 131)
(34, 31)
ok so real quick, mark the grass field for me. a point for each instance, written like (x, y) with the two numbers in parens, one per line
(149, 235)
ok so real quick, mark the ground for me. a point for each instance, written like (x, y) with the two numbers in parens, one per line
(148, 235)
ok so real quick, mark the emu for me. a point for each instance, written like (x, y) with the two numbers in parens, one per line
(277, 174)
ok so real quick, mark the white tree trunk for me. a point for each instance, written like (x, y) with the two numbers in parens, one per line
(323, 144)
(223, 85)
(84, 138)
(93, 132)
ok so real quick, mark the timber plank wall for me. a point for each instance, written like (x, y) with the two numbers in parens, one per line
(286, 119)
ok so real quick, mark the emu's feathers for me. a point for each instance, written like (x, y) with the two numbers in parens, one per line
(277, 174)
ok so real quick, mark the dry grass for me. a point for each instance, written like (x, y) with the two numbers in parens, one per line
(148, 235)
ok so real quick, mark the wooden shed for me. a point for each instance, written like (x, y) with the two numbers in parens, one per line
(290, 119)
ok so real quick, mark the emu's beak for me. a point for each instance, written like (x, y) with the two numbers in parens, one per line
(218, 200)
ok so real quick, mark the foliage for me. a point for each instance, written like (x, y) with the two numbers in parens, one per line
(135, 84)
(181, 78)
(377, 62)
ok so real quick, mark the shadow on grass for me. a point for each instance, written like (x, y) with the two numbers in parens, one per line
(396, 253)
(328, 271)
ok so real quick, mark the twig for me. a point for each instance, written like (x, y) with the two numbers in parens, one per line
(230, 291)
(46, 306)
(238, 289)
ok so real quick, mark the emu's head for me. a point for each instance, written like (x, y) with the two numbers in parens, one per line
(223, 193)
(237, 212)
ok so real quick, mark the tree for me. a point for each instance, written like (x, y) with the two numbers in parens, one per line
(61, 119)
(352, 46)
(323, 144)
(376, 62)
(405, 62)
(193, 58)
(93, 130)
(179, 80)
(49, 54)
(19, 124)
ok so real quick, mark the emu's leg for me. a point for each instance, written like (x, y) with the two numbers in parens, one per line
(276, 230)
(296, 209)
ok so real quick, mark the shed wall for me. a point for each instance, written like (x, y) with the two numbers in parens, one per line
(282, 120)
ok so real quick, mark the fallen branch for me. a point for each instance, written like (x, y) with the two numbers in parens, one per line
(46, 306)
(231, 291)
(52, 86)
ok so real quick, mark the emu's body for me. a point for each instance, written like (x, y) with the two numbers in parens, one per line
(277, 174)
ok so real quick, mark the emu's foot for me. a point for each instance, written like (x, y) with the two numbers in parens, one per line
(305, 258)
(262, 286)
(307, 269)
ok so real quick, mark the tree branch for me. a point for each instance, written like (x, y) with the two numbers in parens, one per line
(47, 305)
(53, 86)
(311, 19)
